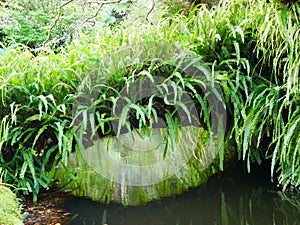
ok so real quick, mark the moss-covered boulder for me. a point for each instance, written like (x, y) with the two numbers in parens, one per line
(10, 211)
(134, 170)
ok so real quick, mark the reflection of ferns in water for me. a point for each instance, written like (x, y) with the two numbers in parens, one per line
(289, 205)
(175, 173)
(247, 209)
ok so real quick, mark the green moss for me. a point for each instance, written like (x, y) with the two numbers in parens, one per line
(10, 211)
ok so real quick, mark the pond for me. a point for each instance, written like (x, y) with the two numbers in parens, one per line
(233, 197)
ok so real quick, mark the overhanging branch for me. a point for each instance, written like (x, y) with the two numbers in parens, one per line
(56, 20)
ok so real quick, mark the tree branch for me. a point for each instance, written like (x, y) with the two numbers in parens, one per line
(102, 3)
(95, 15)
(151, 9)
(56, 20)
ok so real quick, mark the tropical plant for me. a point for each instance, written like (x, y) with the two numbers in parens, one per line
(251, 48)
(245, 38)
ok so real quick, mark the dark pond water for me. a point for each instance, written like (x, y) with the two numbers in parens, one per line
(231, 198)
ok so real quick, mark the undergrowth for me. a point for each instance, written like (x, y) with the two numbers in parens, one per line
(251, 48)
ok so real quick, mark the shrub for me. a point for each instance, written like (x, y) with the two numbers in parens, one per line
(238, 40)
(253, 50)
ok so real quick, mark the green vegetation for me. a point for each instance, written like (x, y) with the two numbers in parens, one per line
(10, 211)
(87, 180)
(251, 48)
(29, 22)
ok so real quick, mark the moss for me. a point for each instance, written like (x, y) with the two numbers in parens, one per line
(8, 219)
(10, 211)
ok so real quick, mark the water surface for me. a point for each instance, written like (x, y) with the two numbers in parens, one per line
(233, 197)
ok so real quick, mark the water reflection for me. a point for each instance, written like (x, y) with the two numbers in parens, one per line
(233, 198)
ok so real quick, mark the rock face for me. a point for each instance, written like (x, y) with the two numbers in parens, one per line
(10, 211)
(138, 167)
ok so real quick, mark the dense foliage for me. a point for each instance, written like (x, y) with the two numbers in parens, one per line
(251, 47)
(53, 23)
